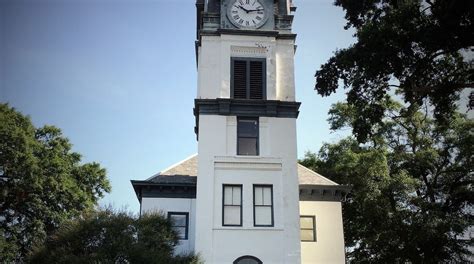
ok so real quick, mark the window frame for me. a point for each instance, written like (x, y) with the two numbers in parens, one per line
(313, 217)
(224, 205)
(170, 213)
(247, 257)
(247, 76)
(257, 137)
(272, 205)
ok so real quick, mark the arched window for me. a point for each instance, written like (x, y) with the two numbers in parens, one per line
(247, 260)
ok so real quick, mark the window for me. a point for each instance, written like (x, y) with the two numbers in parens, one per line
(247, 260)
(180, 223)
(308, 228)
(248, 78)
(247, 136)
(232, 205)
(262, 205)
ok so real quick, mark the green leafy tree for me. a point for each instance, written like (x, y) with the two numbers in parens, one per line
(42, 183)
(421, 49)
(412, 196)
(112, 237)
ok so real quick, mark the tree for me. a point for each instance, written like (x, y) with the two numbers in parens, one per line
(412, 196)
(419, 49)
(42, 183)
(112, 237)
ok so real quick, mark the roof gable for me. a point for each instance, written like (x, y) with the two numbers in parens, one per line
(309, 177)
(186, 171)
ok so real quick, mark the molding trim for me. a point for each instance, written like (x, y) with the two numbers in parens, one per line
(245, 32)
(248, 159)
(249, 228)
(246, 51)
(335, 193)
(244, 107)
(286, 36)
(147, 189)
(246, 162)
(247, 166)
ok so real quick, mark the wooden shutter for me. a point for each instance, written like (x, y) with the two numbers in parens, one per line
(256, 80)
(239, 79)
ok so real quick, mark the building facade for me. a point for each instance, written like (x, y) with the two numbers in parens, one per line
(244, 198)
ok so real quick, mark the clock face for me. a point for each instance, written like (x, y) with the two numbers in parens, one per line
(247, 14)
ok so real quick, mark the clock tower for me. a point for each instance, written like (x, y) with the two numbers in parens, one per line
(247, 200)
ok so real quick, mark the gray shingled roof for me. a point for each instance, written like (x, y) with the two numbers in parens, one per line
(186, 172)
(310, 177)
(187, 167)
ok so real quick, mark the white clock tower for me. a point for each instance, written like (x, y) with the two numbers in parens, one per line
(247, 200)
(244, 199)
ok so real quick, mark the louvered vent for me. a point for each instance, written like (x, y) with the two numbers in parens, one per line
(240, 79)
(256, 80)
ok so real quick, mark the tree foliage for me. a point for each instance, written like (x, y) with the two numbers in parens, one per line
(412, 197)
(112, 237)
(42, 183)
(421, 49)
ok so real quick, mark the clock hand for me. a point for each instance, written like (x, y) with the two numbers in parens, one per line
(255, 10)
(241, 7)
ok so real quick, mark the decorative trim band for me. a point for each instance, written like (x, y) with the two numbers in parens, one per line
(248, 159)
(244, 107)
(249, 229)
(239, 50)
(265, 33)
(149, 189)
(246, 162)
(336, 193)
(247, 166)
(275, 34)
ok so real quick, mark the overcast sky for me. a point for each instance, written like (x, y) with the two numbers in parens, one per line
(119, 78)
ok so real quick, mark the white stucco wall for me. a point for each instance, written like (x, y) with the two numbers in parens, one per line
(214, 64)
(166, 205)
(329, 245)
(218, 165)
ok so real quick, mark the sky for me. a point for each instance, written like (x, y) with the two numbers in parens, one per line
(119, 78)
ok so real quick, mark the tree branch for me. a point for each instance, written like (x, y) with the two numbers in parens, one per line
(455, 86)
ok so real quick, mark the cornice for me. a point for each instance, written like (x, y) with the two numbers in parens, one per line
(243, 32)
(244, 107)
(335, 193)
